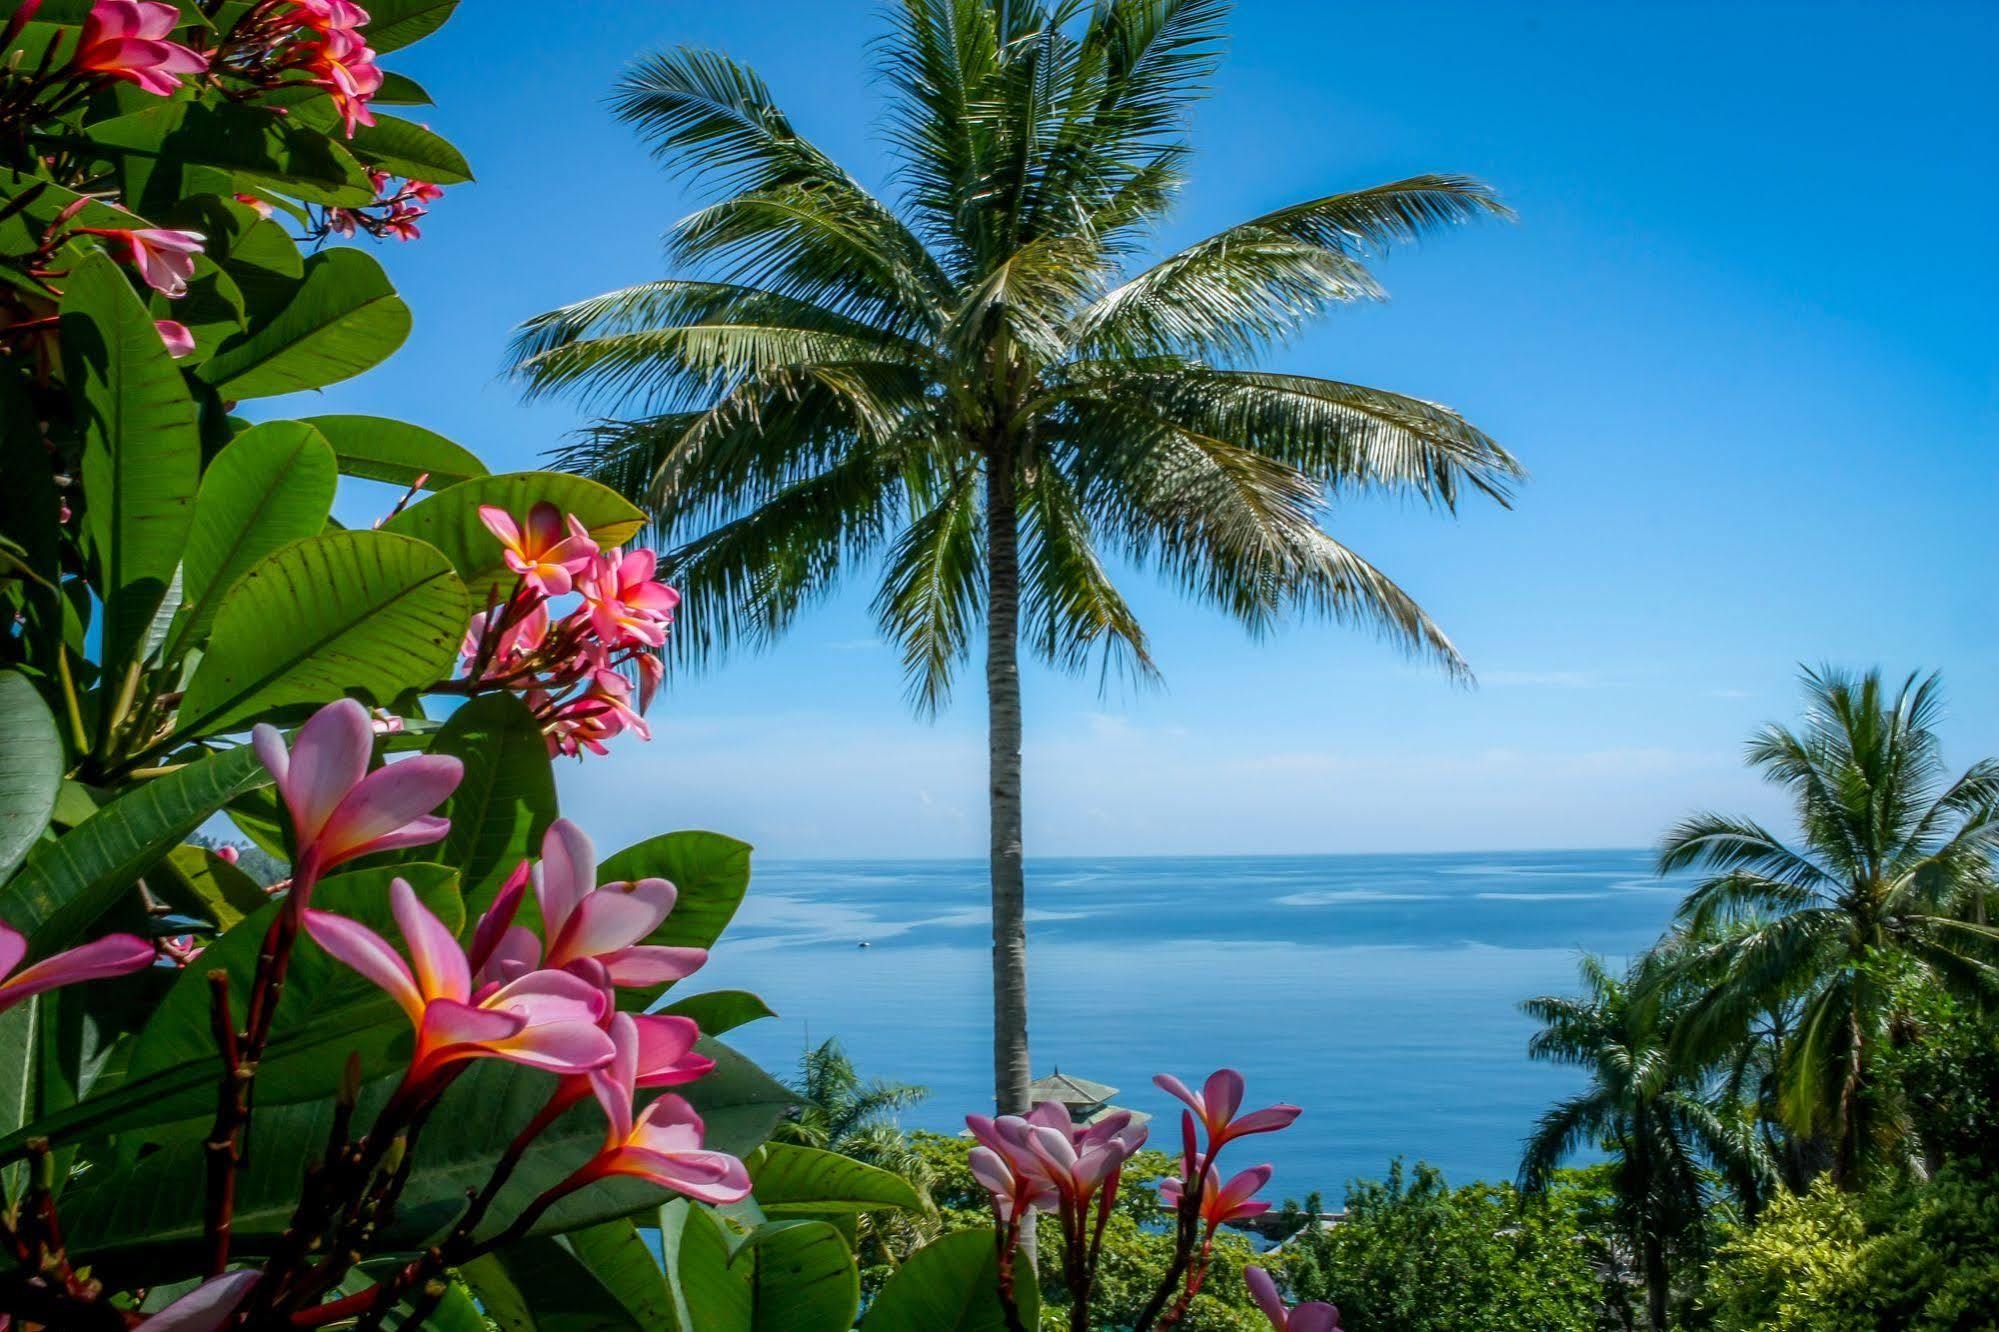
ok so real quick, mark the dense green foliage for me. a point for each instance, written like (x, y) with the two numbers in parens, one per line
(1415, 1255)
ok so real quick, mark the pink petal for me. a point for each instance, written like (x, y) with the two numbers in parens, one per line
(1264, 1291)
(113, 955)
(370, 954)
(710, 1177)
(637, 567)
(1243, 1187)
(517, 953)
(652, 964)
(1222, 1096)
(552, 996)
(451, 1030)
(386, 809)
(208, 1306)
(544, 527)
(435, 957)
(557, 1047)
(614, 1083)
(1314, 1317)
(567, 872)
(499, 917)
(501, 524)
(663, 1040)
(13, 947)
(1172, 1086)
(268, 743)
(1267, 1120)
(329, 759)
(605, 922)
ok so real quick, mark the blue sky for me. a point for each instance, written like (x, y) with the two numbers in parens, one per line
(1743, 335)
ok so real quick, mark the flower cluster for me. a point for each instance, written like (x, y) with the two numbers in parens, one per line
(277, 41)
(1043, 1160)
(396, 211)
(575, 672)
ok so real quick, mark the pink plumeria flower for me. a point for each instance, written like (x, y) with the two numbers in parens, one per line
(113, 955)
(1215, 1106)
(127, 40)
(326, 15)
(164, 257)
(1222, 1203)
(423, 191)
(624, 602)
(1313, 1317)
(1046, 1147)
(592, 930)
(179, 341)
(547, 551)
(545, 1019)
(209, 1307)
(339, 809)
(345, 67)
(522, 638)
(261, 207)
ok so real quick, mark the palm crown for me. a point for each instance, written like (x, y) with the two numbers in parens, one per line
(849, 378)
(1892, 876)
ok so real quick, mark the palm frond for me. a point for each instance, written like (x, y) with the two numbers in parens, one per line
(1072, 609)
(932, 592)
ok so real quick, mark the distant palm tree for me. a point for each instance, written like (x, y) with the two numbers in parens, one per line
(1660, 1124)
(839, 1111)
(976, 387)
(1894, 875)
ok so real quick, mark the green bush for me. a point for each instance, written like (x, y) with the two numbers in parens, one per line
(1415, 1255)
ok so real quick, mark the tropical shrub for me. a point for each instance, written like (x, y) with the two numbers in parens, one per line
(1415, 1255)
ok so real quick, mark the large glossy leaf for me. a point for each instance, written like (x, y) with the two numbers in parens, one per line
(708, 1296)
(30, 768)
(136, 1218)
(506, 799)
(268, 487)
(802, 1278)
(158, 142)
(712, 873)
(197, 882)
(805, 1181)
(345, 612)
(720, 1011)
(952, 1285)
(344, 318)
(376, 448)
(394, 24)
(449, 519)
(66, 884)
(142, 450)
(408, 149)
(598, 1279)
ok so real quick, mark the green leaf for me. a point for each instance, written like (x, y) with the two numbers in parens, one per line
(142, 451)
(30, 768)
(344, 612)
(197, 882)
(598, 1279)
(400, 90)
(506, 799)
(707, 1296)
(344, 318)
(408, 149)
(376, 448)
(718, 1011)
(322, 997)
(394, 24)
(449, 519)
(805, 1181)
(952, 1285)
(712, 873)
(802, 1278)
(157, 143)
(138, 1215)
(268, 487)
(66, 884)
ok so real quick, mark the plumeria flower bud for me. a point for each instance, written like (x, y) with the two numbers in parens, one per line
(127, 40)
(179, 341)
(209, 1307)
(228, 853)
(1313, 1317)
(113, 955)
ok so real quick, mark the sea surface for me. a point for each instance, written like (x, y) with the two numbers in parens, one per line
(1379, 992)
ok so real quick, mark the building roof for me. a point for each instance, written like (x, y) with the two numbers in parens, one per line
(1059, 1086)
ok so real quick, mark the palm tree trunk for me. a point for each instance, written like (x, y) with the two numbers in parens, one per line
(1010, 1067)
(1658, 1284)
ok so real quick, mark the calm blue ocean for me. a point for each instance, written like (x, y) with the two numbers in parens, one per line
(1379, 992)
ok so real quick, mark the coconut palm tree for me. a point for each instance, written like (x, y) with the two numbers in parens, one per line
(981, 390)
(1661, 1124)
(840, 1111)
(1892, 881)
